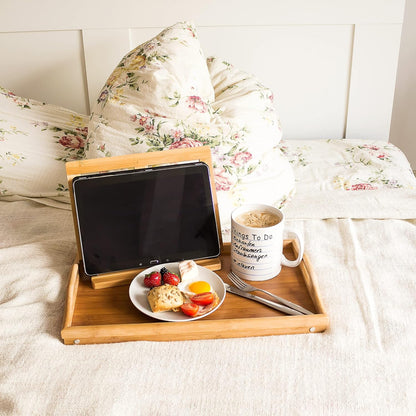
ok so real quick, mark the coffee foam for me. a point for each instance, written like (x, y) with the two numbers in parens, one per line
(258, 219)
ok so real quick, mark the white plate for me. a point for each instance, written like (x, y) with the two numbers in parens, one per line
(138, 293)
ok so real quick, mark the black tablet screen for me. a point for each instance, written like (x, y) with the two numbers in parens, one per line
(138, 218)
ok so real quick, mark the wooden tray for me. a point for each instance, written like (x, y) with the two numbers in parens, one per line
(107, 315)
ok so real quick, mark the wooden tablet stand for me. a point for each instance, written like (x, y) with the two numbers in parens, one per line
(139, 161)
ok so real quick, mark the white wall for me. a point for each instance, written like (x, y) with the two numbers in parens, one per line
(332, 64)
(403, 124)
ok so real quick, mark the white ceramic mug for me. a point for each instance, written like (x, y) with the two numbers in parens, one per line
(257, 252)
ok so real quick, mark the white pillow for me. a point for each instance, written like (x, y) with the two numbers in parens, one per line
(36, 139)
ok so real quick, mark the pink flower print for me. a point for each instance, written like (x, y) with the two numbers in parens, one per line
(149, 128)
(133, 118)
(222, 181)
(185, 142)
(192, 31)
(362, 187)
(241, 158)
(197, 104)
(151, 114)
(176, 134)
(371, 147)
(382, 156)
(82, 130)
(72, 141)
(143, 120)
(271, 97)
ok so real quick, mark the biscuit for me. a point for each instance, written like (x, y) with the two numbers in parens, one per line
(165, 298)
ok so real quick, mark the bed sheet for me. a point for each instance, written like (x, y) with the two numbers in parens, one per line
(363, 364)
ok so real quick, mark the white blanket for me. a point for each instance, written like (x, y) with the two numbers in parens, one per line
(364, 364)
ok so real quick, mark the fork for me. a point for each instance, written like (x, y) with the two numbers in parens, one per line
(245, 287)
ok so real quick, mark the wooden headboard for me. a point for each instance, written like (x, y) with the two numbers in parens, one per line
(331, 64)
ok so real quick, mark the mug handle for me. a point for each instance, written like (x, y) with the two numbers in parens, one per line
(294, 263)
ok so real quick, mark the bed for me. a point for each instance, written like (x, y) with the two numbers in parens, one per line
(339, 181)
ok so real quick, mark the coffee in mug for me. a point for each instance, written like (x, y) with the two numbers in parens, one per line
(258, 219)
(257, 242)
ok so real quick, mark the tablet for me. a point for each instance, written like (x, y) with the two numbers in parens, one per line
(139, 218)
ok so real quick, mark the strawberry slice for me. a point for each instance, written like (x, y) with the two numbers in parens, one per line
(203, 298)
(152, 279)
(190, 309)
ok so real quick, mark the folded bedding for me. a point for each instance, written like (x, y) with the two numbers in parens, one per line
(347, 164)
(350, 179)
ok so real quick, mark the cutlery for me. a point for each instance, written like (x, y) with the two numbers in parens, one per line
(281, 308)
(248, 288)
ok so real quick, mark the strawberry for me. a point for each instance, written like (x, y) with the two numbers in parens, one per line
(153, 279)
(171, 278)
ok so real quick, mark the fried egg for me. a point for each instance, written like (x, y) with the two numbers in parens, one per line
(194, 287)
(199, 287)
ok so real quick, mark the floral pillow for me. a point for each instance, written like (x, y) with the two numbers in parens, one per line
(229, 110)
(248, 164)
(155, 85)
(36, 139)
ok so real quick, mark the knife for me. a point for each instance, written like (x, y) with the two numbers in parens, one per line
(274, 305)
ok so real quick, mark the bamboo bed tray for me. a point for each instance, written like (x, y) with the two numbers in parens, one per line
(107, 315)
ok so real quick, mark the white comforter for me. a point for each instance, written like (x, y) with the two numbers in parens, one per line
(364, 364)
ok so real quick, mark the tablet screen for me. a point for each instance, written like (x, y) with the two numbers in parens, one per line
(137, 218)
